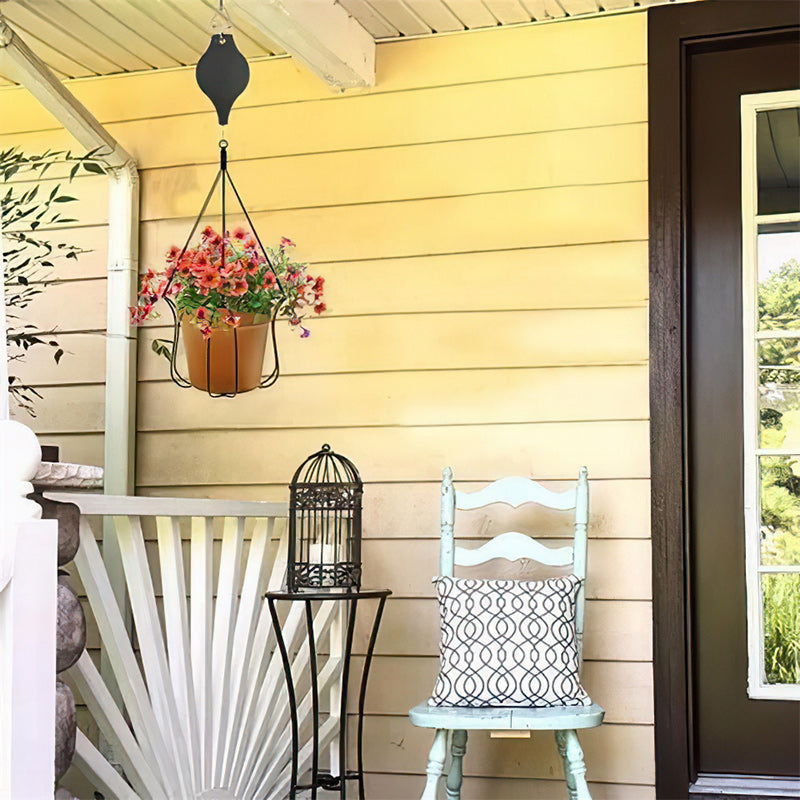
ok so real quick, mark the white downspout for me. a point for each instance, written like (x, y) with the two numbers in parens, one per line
(121, 354)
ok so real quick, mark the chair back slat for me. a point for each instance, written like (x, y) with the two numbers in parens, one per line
(513, 546)
(516, 491)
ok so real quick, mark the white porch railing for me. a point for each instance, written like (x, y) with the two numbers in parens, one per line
(205, 712)
(28, 547)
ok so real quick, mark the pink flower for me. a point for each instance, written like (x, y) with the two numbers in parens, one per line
(239, 287)
(140, 313)
(287, 242)
(205, 329)
(269, 280)
(320, 307)
(232, 319)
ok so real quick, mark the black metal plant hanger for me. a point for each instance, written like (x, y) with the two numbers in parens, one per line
(223, 74)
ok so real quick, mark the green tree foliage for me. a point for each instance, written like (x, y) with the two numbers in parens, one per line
(31, 218)
(782, 628)
(779, 298)
(779, 378)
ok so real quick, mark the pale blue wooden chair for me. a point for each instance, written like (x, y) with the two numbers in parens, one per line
(452, 723)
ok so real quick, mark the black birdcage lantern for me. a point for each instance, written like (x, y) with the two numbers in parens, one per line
(325, 524)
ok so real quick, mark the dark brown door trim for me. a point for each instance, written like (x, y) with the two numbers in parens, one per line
(673, 32)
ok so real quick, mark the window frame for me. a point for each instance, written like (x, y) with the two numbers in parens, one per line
(757, 687)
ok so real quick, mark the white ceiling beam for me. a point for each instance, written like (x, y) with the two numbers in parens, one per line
(18, 61)
(318, 33)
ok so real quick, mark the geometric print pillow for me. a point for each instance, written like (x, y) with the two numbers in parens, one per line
(508, 643)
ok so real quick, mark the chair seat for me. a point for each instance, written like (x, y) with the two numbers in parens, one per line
(508, 719)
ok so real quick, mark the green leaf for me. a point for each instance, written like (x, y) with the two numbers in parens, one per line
(64, 198)
(90, 166)
(162, 347)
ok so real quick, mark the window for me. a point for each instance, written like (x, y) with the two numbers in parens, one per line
(771, 373)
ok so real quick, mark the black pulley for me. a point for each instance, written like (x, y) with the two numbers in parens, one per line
(223, 74)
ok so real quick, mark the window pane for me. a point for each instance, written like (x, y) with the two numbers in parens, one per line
(779, 279)
(780, 510)
(781, 596)
(778, 157)
(779, 393)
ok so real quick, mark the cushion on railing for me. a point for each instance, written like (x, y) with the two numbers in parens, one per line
(508, 643)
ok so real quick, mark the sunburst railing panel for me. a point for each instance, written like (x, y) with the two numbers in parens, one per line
(203, 701)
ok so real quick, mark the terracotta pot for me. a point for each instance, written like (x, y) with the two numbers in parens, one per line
(220, 350)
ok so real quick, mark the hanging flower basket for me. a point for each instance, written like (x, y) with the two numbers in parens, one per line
(225, 295)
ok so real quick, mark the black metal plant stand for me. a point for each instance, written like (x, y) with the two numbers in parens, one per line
(324, 780)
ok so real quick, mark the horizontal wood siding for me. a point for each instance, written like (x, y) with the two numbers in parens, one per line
(480, 217)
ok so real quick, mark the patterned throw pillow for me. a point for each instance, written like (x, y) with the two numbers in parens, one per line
(508, 643)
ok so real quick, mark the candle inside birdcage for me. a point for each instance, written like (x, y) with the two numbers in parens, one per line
(325, 524)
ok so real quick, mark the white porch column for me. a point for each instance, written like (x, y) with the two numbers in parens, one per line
(28, 592)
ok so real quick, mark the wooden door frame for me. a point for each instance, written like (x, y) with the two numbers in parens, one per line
(674, 32)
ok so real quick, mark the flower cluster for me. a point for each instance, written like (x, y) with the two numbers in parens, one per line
(224, 278)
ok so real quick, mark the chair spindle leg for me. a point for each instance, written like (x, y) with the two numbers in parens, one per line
(561, 743)
(574, 766)
(435, 765)
(455, 776)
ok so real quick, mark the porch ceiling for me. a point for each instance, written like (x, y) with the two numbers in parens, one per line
(84, 38)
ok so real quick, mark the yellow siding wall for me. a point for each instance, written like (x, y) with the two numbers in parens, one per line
(481, 221)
